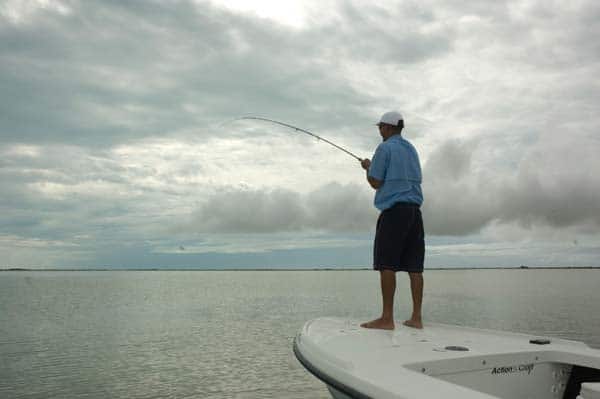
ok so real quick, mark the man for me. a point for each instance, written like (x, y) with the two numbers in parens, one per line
(395, 172)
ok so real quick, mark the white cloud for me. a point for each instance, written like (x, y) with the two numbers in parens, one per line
(21, 11)
(292, 13)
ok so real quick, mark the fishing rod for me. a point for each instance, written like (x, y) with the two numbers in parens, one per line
(258, 118)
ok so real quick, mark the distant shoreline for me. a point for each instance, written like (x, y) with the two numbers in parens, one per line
(317, 269)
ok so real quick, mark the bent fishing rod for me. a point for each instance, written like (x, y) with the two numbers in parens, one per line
(258, 118)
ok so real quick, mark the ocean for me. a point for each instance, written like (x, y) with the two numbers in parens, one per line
(229, 334)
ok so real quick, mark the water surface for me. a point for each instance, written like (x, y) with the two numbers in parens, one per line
(229, 334)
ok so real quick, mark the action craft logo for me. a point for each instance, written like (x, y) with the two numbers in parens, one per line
(514, 369)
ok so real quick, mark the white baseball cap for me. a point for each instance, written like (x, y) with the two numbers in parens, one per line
(391, 118)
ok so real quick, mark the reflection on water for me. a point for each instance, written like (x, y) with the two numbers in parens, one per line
(229, 334)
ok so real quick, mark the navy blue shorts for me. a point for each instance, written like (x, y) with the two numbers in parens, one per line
(400, 239)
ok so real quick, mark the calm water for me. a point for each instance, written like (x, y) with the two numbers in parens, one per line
(229, 334)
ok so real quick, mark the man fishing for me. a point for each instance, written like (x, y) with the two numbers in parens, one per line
(395, 174)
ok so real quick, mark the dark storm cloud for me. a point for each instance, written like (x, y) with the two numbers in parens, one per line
(104, 72)
(548, 187)
(454, 205)
(545, 188)
(111, 71)
(331, 208)
(543, 193)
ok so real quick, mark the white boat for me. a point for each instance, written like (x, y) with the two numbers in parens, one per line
(444, 361)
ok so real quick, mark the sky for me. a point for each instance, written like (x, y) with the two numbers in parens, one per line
(120, 148)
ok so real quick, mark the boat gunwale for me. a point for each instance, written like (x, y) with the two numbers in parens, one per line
(327, 379)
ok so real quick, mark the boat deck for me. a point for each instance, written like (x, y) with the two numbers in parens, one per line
(438, 361)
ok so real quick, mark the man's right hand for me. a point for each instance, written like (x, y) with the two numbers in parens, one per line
(365, 163)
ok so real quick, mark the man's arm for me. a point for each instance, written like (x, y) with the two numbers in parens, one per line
(366, 163)
(373, 181)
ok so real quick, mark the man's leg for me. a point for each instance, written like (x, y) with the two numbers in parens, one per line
(388, 288)
(416, 289)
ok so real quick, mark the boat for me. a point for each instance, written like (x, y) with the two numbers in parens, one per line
(445, 361)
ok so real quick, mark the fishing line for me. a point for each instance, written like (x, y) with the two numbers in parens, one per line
(258, 118)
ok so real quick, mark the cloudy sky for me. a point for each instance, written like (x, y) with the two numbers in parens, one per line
(119, 148)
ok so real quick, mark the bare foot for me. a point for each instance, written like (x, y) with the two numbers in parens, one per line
(413, 323)
(379, 324)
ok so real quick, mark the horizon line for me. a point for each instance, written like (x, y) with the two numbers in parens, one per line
(522, 267)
